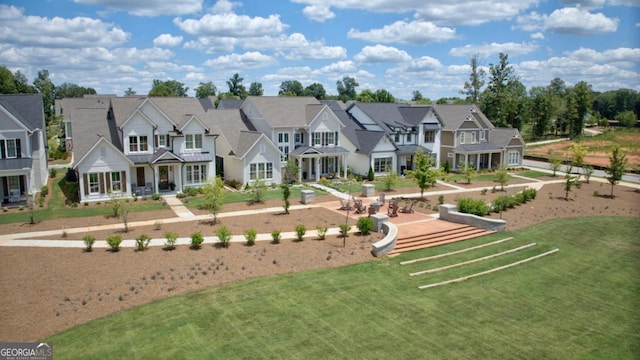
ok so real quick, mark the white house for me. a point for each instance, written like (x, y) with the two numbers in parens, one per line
(23, 156)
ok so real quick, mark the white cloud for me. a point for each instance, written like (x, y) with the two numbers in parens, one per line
(149, 8)
(415, 33)
(317, 53)
(231, 25)
(452, 12)
(537, 36)
(569, 21)
(486, 50)
(248, 60)
(583, 4)
(338, 67)
(381, 54)
(318, 13)
(223, 7)
(167, 40)
(57, 32)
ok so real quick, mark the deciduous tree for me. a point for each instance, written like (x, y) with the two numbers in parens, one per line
(475, 83)
(213, 191)
(255, 89)
(206, 89)
(235, 86)
(291, 88)
(424, 174)
(347, 88)
(617, 164)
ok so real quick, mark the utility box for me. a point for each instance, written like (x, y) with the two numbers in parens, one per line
(307, 196)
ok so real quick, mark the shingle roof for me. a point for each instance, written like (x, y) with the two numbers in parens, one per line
(388, 115)
(452, 116)
(89, 122)
(27, 108)
(502, 136)
(234, 129)
(230, 104)
(364, 140)
(283, 111)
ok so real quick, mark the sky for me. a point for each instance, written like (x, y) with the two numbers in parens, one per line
(397, 45)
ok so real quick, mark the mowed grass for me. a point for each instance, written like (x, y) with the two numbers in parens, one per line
(578, 303)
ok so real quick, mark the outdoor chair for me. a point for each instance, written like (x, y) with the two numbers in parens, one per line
(360, 208)
(345, 205)
(392, 211)
(381, 199)
(408, 208)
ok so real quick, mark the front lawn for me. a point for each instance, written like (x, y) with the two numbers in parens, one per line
(580, 302)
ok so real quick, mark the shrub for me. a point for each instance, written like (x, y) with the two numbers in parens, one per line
(500, 203)
(142, 242)
(371, 176)
(40, 201)
(344, 229)
(224, 235)
(519, 198)
(484, 191)
(53, 172)
(472, 206)
(250, 235)
(88, 242)
(44, 191)
(275, 235)
(196, 240)
(322, 231)
(365, 225)
(447, 167)
(155, 196)
(114, 242)
(170, 243)
(529, 193)
(300, 231)
(441, 199)
(157, 225)
(596, 193)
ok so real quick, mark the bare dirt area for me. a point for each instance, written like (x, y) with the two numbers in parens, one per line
(47, 290)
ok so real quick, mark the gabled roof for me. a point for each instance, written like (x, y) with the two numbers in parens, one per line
(101, 140)
(283, 111)
(177, 107)
(230, 104)
(364, 140)
(501, 137)
(164, 155)
(393, 115)
(452, 116)
(235, 130)
(28, 109)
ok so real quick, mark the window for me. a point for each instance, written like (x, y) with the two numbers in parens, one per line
(94, 183)
(461, 138)
(473, 137)
(193, 141)
(325, 139)
(381, 165)
(285, 151)
(283, 138)
(429, 136)
(67, 129)
(513, 158)
(298, 138)
(162, 140)
(138, 144)
(396, 137)
(262, 171)
(408, 137)
(116, 182)
(196, 174)
(11, 150)
(14, 184)
(481, 135)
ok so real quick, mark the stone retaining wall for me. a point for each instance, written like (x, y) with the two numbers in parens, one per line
(388, 243)
(448, 213)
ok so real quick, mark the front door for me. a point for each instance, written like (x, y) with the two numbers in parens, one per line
(164, 177)
(140, 176)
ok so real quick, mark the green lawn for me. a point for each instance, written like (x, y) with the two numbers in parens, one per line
(578, 303)
(234, 197)
(56, 208)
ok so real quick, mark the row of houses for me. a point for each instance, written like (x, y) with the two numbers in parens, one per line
(142, 145)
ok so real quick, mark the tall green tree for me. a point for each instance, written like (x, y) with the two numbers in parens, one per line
(129, 92)
(71, 90)
(206, 89)
(627, 118)
(475, 83)
(366, 95)
(541, 111)
(416, 95)
(316, 90)
(617, 164)
(504, 99)
(235, 86)
(171, 88)
(255, 89)
(47, 89)
(291, 88)
(582, 95)
(384, 96)
(7, 81)
(22, 84)
(347, 88)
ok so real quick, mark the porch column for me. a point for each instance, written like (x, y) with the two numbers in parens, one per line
(344, 166)
(466, 159)
(299, 163)
(317, 169)
(489, 165)
(177, 177)
(478, 161)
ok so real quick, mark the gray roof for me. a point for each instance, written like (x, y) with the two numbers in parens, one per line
(230, 104)
(364, 140)
(411, 149)
(235, 129)
(325, 150)
(283, 111)
(452, 116)
(89, 122)
(487, 146)
(27, 108)
(17, 163)
(197, 157)
(392, 115)
(502, 136)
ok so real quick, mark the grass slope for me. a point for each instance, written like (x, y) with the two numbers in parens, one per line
(578, 303)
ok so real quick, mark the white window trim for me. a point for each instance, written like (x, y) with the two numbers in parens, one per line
(190, 171)
(113, 182)
(138, 143)
(194, 142)
(96, 183)
(462, 138)
(261, 170)
(482, 137)
(513, 158)
(15, 148)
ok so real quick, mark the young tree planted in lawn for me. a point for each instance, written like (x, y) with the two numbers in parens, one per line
(424, 174)
(570, 182)
(617, 164)
(502, 177)
(224, 235)
(300, 231)
(390, 179)
(213, 192)
(258, 189)
(555, 161)
(468, 171)
(286, 193)
(578, 153)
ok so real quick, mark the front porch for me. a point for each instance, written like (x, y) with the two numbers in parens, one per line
(315, 163)
(13, 191)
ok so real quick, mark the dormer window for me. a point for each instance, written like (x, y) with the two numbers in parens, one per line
(193, 141)
(9, 148)
(138, 144)
(482, 138)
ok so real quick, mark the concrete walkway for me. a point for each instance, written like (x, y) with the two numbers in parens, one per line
(178, 207)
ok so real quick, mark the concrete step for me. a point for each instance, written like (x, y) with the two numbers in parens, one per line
(441, 238)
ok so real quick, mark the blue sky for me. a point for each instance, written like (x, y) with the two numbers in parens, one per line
(398, 45)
